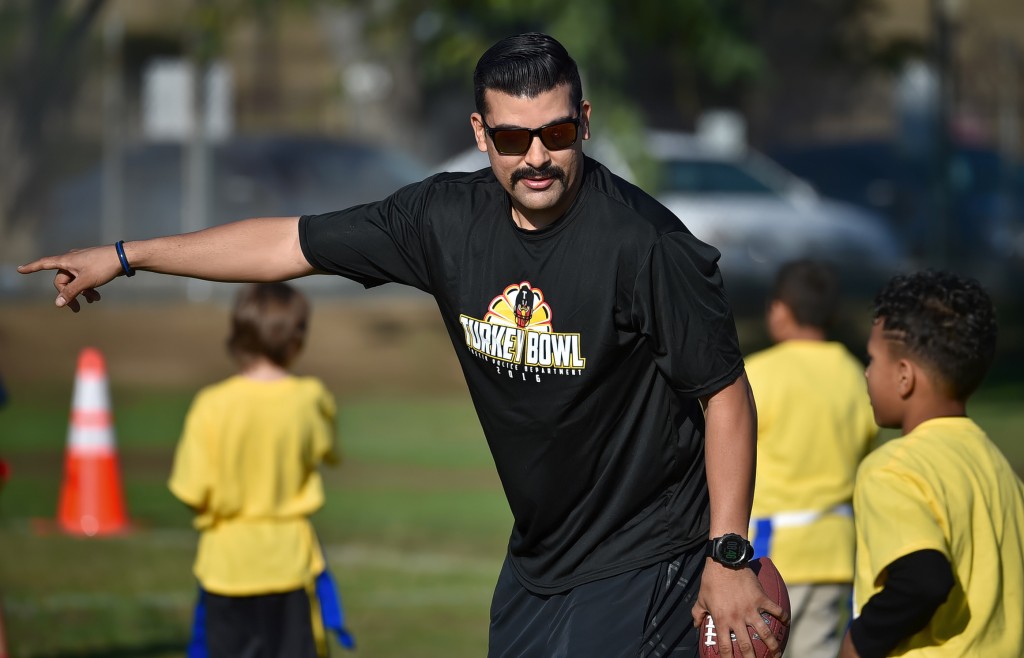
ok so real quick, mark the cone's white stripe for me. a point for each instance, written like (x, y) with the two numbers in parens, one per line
(90, 393)
(91, 430)
(90, 439)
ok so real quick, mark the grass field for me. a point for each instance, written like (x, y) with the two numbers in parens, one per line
(414, 528)
(415, 522)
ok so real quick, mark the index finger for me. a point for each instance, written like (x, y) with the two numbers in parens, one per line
(46, 263)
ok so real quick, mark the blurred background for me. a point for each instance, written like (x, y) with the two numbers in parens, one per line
(881, 135)
(868, 131)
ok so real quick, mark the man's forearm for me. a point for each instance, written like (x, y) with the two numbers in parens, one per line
(730, 451)
(259, 249)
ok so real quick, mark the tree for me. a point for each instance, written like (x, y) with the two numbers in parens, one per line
(682, 38)
(43, 61)
(40, 64)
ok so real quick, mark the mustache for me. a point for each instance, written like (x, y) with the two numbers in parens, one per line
(550, 171)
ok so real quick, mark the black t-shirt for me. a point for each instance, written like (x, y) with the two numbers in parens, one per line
(585, 346)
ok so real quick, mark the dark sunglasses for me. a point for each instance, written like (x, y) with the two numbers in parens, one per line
(516, 141)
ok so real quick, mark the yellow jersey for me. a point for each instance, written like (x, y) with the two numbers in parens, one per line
(814, 425)
(946, 487)
(247, 463)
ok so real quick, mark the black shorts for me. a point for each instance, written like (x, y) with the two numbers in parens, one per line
(263, 626)
(646, 613)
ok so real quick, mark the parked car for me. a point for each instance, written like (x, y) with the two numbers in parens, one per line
(250, 176)
(756, 213)
(759, 215)
(986, 196)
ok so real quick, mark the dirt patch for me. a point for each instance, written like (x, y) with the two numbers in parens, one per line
(391, 345)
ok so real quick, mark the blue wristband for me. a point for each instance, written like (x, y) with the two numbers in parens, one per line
(119, 247)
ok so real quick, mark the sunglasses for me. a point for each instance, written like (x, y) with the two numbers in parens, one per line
(516, 141)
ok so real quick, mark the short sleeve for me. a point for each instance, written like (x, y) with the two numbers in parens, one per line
(679, 305)
(373, 243)
(325, 436)
(894, 517)
(191, 471)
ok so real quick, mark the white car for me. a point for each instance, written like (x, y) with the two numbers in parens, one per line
(755, 212)
(760, 216)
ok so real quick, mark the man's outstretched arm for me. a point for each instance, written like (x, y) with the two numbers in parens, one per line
(259, 249)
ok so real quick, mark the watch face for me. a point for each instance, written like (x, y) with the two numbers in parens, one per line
(732, 549)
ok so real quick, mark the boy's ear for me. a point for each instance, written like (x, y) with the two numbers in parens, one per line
(906, 378)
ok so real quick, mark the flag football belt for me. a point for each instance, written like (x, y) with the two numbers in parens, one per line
(763, 527)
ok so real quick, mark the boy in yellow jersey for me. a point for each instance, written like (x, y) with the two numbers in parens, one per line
(939, 511)
(247, 464)
(814, 425)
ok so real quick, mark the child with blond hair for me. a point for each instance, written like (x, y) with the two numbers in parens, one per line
(247, 465)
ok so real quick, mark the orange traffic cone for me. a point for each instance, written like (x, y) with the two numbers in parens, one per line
(91, 500)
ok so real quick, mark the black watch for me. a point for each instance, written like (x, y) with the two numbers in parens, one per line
(730, 550)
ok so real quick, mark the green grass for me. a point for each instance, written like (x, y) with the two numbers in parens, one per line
(414, 527)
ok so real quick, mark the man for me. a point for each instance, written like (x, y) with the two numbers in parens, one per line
(598, 347)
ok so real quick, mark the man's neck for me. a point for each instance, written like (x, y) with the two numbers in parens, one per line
(533, 221)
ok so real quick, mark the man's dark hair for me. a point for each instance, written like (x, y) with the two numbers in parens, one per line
(270, 320)
(946, 320)
(810, 289)
(525, 65)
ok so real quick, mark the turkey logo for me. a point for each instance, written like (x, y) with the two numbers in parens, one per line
(526, 299)
(520, 305)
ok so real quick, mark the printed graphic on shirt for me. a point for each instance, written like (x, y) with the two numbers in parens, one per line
(516, 334)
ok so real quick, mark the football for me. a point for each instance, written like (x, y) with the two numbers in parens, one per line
(773, 585)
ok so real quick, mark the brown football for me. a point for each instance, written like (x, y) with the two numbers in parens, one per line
(773, 585)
